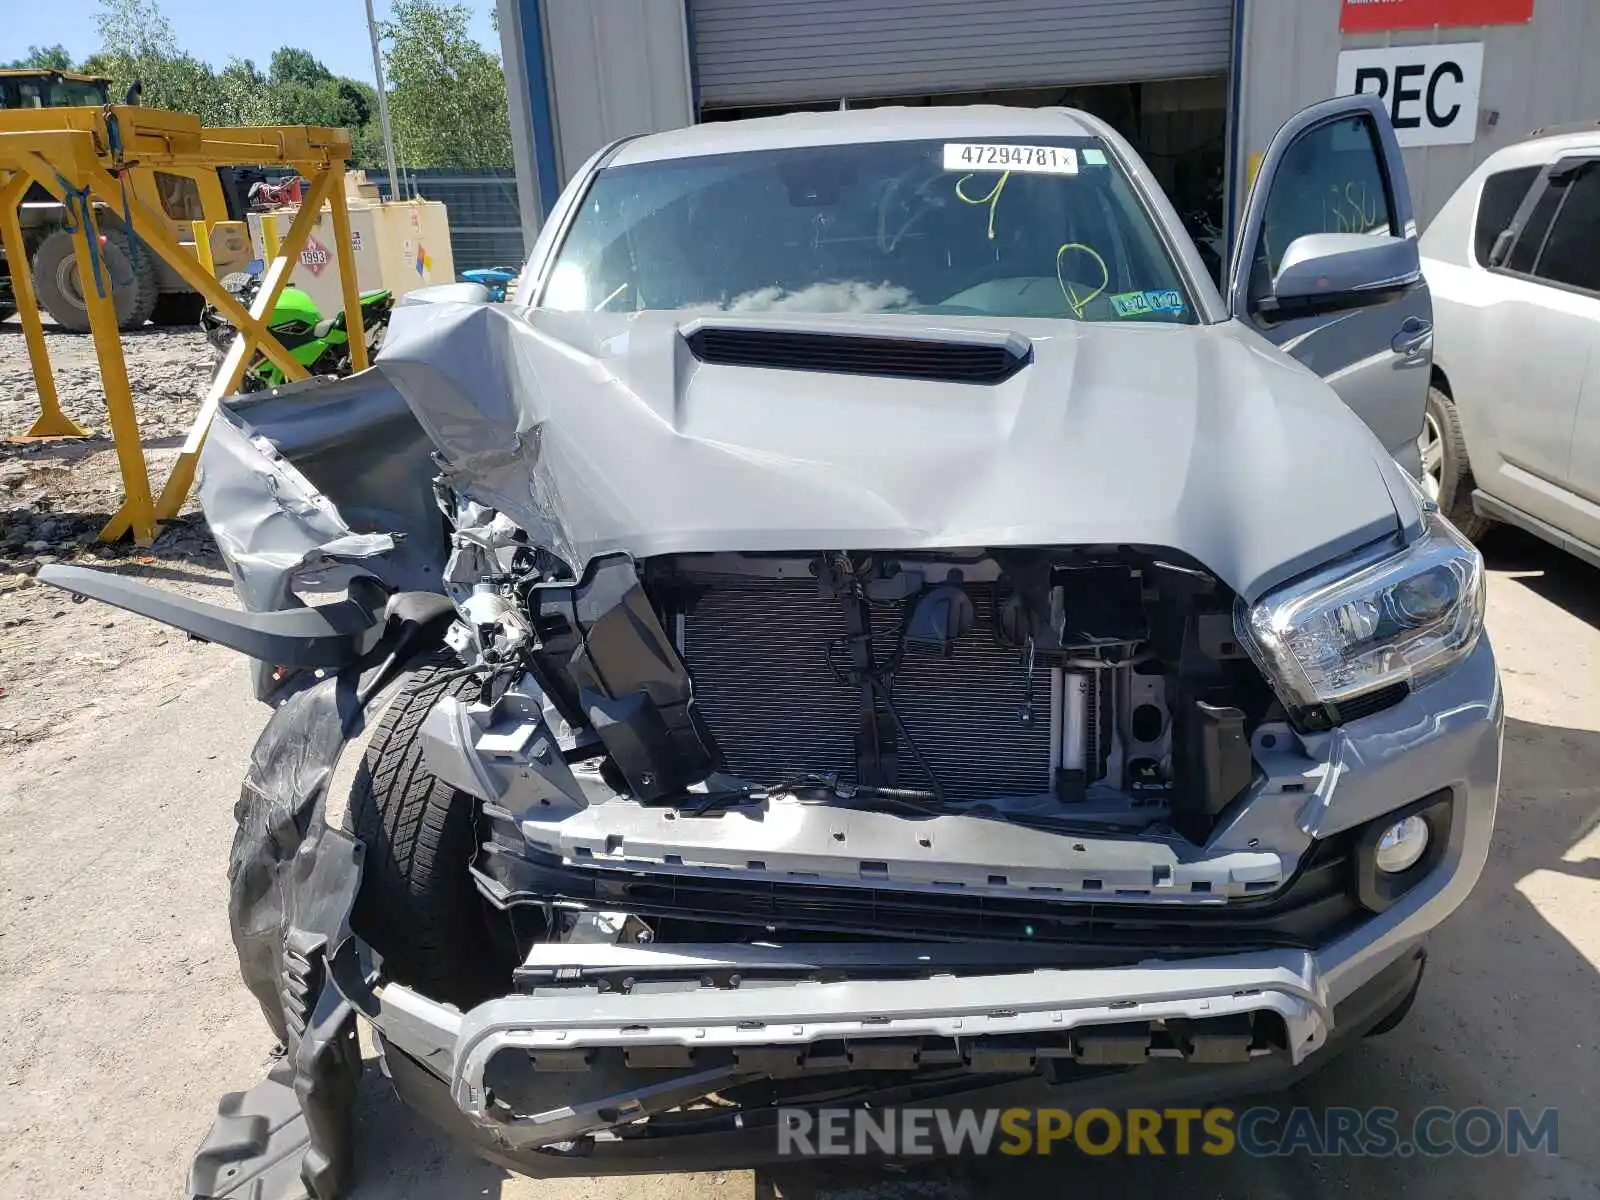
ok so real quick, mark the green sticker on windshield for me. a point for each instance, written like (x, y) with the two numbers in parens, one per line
(1093, 158)
(1138, 304)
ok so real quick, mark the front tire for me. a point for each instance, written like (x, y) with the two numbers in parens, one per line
(130, 277)
(418, 906)
(1445, 464)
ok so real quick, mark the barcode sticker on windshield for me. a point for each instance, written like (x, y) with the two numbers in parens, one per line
(993, 156)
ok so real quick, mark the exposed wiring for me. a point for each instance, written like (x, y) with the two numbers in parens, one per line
(872, 679)
(490, 674)
(905, 735)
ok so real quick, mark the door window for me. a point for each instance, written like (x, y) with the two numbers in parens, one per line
(1503, 193)
(1531, 238)
(180, 197)
(1571, 253)
(1330, 180)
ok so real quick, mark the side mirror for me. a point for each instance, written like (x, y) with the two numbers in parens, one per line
(1325, 272)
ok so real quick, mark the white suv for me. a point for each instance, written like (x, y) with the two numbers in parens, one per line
(1512, 431)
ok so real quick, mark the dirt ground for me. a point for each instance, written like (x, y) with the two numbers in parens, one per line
(58, 660)
(122, 1018)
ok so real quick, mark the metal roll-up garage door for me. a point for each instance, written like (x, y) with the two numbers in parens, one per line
(753, 52)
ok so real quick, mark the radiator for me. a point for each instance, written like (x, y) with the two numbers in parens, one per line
(763, 686)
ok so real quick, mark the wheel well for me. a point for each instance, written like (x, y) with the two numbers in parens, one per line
(1438, 379)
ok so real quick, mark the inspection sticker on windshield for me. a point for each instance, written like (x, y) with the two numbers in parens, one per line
(1137, 304)
(993, 156)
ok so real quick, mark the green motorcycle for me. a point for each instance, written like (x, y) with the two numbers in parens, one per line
(320, 344)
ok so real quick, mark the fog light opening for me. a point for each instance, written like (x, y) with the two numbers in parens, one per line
(1402, 845)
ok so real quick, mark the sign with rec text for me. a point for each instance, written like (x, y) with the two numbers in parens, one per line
(1381, 16)
(1431, 92)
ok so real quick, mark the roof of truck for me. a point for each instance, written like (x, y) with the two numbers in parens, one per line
(34, 72)
(886, 124)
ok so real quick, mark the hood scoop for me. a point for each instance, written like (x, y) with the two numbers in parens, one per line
(982, 359)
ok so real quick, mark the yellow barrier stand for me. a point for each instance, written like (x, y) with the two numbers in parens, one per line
(269, 236)
(202, 246)
(239, 355)
(348, 284)
(66, 151)
(52, 422)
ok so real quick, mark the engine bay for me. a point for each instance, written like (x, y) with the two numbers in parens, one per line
(1088, 688)
(867, 745)
(1098, 686)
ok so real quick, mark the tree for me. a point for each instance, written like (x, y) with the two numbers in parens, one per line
(447, 98)
(48, 58)
(243, 96)
(137, 42)
(292, 65)
(447, 93)
(136, 28)
(304, 92)
(360, 99)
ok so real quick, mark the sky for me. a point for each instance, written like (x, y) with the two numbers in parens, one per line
(217, 30)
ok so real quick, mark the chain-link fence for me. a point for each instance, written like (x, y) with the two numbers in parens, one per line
(485, 227)
(485, 224)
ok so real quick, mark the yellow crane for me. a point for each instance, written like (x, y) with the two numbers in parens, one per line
(89, 161)
(143, 286)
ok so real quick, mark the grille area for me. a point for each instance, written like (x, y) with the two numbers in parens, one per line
(1313, 908)
(759, 654)
(898, 358)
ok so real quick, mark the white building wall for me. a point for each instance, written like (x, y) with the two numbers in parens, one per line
(616, 67)
(1546, 72)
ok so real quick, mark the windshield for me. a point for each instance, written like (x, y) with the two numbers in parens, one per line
(72, 93)
(1047, 228)
(49, 91)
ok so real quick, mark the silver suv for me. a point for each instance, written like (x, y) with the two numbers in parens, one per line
(868, 620)
(1513, 424)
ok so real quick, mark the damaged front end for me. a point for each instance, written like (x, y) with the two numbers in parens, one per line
(980, 827)
(855, 795)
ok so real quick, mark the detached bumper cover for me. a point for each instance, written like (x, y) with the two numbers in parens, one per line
(599, 1060)
(758, 1023)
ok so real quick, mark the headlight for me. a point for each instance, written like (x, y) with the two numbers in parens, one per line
(1360, 627)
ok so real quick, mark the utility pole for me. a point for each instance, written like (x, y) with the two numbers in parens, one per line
(383, 105)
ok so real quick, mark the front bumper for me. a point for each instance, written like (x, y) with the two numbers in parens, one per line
(750, 1139)
(595, 1060)
(558, 1080)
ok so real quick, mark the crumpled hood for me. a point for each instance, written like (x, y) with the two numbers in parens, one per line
(601, 433)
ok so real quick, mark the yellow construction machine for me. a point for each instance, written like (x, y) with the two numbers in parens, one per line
(88, 160)
(143, 286)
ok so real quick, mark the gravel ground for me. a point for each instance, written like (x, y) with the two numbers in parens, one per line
(168, 370)
(56, 657)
